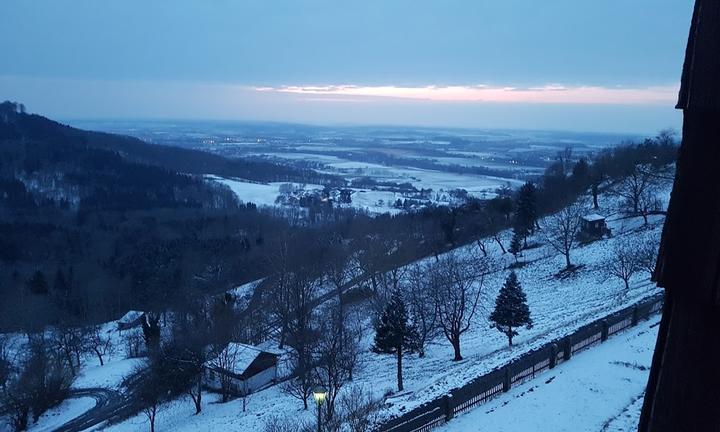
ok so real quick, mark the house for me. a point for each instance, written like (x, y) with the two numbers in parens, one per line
(243, 368)
(593, 226)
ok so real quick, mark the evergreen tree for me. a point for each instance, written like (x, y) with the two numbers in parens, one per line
(526, 211)
(515, 244)
(511, 309)
(393, 333)
(581, 175)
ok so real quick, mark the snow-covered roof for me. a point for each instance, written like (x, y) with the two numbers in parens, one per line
(593, 217)
(247, 289)
(242, 356)
(130, 316)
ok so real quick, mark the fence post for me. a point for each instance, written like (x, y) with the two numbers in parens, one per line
(568, 348)
(635, 317)
(605, 329)
(448, 404)
(507, 381)
(553, 355)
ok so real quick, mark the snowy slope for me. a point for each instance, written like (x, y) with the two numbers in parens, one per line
(558, 306)
(599, 390)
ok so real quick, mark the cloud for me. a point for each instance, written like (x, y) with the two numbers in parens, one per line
(547, 94)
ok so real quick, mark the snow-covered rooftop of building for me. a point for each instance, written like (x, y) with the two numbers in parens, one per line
(242, 356)
(131, 316)
(593, 217)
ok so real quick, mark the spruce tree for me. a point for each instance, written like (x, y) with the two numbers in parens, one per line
(394, 334)
(526, 211)
(511, 309)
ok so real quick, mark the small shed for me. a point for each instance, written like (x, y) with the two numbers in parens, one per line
(245, 367)
(130, 320)
(593, 226)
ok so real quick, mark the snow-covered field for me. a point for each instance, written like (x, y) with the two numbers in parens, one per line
(380, 201)
(601, 389)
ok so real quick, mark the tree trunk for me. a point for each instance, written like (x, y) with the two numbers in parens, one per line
(152, 418)
(482, 248)
(510, 336)
(595, 196)
(283, 330)
(456, 348)
(399, 369)
(99, 356)
(501, 245)
(567, 260)
(198, 400)
(69, 358)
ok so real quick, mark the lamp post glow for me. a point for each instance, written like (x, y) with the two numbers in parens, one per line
(319, 393)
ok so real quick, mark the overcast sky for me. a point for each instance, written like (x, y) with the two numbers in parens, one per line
(610, 65)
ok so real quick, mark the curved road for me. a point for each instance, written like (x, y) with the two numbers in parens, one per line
(108, 405)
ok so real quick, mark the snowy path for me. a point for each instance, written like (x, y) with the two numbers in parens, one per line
(599, 390)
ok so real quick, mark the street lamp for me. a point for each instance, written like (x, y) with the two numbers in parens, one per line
(319, 393)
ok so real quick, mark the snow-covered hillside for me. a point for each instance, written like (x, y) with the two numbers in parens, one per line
(600, 390)
(558, 306)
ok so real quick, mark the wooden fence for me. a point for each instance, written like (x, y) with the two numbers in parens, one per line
(520, 370)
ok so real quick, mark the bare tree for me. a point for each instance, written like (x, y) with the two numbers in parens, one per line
(6, 360)
(99, 342)
(388, 282)
(624, 261)
(423, 312)
(648, 252)
(300, 387)
(285, 424)
(133, 343)
(338, 272)
(39, 383)
(335, 351)
(633, 187)
(457, 294)
(649, 203)
(280, 294)
(482, 245)
(360, 410)
(561, 230)
(224, 365)
(303, 288)
(70, 342)
(150, 392)
(370, 256)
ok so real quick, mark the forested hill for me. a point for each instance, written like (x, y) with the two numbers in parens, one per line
(39, 140)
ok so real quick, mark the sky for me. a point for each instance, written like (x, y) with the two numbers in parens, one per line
(611, 65)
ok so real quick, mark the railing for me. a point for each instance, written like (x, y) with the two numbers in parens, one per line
(520, 370)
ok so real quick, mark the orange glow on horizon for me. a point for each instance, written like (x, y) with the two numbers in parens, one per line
(551, 94)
